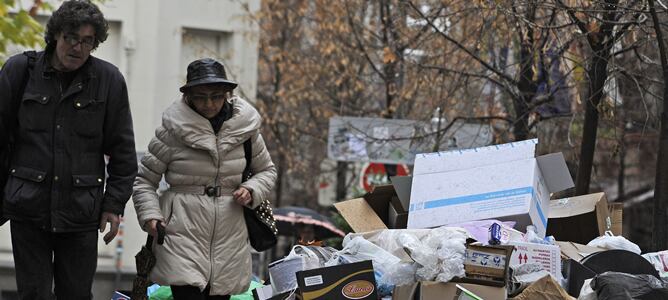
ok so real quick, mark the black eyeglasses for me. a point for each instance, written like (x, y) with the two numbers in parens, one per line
(204, 97)
(72, 39)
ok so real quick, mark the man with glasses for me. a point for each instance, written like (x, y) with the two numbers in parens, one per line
(62, 111)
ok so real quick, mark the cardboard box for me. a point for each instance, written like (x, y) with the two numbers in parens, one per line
(575, 251)
(545, 288)
(616, 211)
(579, 219)
(382, 208)
(428, 290)
(504, 182)
(486, 265)
(548, 256)
(342, 282)
(267, 293)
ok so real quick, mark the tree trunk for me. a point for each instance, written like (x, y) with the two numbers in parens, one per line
(280, 175)
(341, 171)
(660, 230)
(622, 166)
(526, 84)
(598, 74)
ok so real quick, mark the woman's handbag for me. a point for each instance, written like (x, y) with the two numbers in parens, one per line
(259, 221)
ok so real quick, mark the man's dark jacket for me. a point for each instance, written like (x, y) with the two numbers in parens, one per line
(57, 167)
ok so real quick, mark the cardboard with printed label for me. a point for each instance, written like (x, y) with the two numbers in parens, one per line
(487, 265)
(579, 219)
(504, 182)
(430, 290)
(386, 206)
(342, 282)
(548, 256)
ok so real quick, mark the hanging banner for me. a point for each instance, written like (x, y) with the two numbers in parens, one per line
(393, 141)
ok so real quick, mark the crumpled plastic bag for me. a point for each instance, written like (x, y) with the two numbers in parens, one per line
(402, 273)
(586, 292)
(425, 257)
(615, 285)
(609, 241)
(426, 254)
(359, 249)
(660, 262)
(521, 276)
(387, 239)
(532, 237)
(451, 251)
(315, 256)
(439, 255)
(300, 258)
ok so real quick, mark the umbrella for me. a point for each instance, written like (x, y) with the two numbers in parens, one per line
(145, 260)
(287, 217)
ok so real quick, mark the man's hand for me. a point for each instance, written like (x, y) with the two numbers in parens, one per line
(242, 196)
(152, 226)
(115, 221)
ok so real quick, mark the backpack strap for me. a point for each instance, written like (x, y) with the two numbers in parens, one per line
(248, 154)
(31, 57)
(30, 64)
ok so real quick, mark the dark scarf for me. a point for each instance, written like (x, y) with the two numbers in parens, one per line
(222, 116)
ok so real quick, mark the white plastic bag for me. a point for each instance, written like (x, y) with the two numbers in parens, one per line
(450, 249)
(609, 241)
(358, 249)
(523, 276)
(424, 256)
(587, 293)
(402, 273)
(660, 262)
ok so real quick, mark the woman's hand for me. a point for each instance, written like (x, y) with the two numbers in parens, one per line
(152, 227)
(242, 196)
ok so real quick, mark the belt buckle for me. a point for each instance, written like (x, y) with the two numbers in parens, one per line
(212, 191)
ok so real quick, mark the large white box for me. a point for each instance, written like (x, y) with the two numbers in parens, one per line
(504, 182)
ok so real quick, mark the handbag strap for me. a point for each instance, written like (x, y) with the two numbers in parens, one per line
(248, 154)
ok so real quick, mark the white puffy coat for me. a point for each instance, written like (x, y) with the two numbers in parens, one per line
(206, 240)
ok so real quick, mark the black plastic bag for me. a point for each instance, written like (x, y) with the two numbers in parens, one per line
(623, 286)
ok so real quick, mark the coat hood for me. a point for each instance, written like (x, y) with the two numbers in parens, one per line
(196, 131)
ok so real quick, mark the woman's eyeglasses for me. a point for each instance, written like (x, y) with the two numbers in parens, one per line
(204, 97)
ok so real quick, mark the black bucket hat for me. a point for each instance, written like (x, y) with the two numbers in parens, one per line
(206, 71)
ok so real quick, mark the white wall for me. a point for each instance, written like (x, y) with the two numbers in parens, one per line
(151, 42)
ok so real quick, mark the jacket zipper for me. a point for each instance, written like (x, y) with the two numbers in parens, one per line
(53, 144)
(215, 214)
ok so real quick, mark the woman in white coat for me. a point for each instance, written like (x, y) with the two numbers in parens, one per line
(199, 150)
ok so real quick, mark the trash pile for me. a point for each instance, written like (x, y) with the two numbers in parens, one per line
(475, 224)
